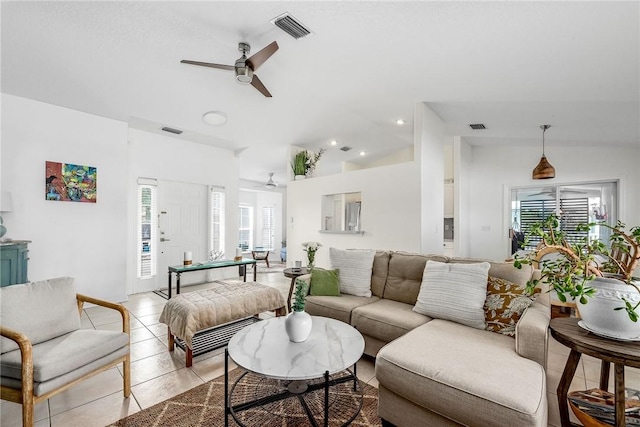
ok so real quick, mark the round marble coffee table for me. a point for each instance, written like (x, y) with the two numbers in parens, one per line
(311, 379)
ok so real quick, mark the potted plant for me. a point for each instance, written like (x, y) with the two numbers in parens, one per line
(311, 248)
(599, 278)
(304, 163)
(298, 322)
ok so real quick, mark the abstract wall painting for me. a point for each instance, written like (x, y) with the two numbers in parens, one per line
(70, 183)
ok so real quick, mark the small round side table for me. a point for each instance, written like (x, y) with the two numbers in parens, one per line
(293, 273)
(567, 332)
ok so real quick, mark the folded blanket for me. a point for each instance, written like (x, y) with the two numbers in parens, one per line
(191, 312)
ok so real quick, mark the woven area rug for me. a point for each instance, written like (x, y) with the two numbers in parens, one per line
(203, 406)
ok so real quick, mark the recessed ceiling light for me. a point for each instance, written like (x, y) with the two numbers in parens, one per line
(214, 118)
(399, 122)
(334, 142)
(362, 153)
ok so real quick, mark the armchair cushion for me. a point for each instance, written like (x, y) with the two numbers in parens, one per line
(40, 310)
(65, 353)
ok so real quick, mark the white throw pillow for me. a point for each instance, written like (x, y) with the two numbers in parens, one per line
(454, 292)
(355, 267)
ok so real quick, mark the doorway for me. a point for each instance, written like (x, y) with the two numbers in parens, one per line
(182, 227)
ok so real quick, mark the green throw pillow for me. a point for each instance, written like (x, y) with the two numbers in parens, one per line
(325, 282)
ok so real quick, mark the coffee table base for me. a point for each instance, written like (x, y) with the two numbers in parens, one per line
(257, 400)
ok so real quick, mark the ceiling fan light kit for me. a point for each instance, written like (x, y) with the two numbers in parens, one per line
(270, 183)
(245, 67)
(544, 170)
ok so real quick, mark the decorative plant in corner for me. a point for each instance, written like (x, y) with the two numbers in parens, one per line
(304, 162)
(571, 274)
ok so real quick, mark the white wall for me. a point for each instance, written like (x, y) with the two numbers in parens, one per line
(461, 205)
(493, 170)
(81, 240)
(166, 158)
(429, 135)
(390, 211)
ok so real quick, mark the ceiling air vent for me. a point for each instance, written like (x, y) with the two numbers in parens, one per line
(291, 26)
(477, 126)
(345, 148)
(172, 130)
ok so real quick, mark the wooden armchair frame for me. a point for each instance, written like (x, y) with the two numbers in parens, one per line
(25, 395)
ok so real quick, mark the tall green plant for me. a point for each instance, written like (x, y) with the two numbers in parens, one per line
(299, 164)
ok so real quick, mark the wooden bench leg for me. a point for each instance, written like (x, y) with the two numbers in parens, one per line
(189, 357)
(282, 311)
(170, 340)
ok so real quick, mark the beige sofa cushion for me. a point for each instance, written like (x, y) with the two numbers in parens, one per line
(380, 271)
(441, 363)
(338, 308)
(386, 319)
(405, 275)
(506, 271)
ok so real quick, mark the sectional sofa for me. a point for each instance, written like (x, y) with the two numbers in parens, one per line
(434, 372)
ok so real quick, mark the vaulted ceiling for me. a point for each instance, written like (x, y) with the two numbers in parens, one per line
(510, 65)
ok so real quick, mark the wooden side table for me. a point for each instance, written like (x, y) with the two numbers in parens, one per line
(621, 353)
(294, 273)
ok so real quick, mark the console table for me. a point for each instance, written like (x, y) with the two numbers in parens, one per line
(14, 257)
(180, 269)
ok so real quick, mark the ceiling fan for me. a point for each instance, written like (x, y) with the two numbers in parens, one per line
(245, 67)
(270, 183)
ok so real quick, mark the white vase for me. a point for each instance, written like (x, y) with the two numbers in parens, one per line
(298, 326)
(299, 177)
(598, 314)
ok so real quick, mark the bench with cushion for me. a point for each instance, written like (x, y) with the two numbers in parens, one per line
(190, 315)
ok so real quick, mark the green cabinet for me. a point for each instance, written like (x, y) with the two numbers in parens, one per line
(14, 257)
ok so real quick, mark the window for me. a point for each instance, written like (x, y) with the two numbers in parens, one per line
(217, 210)
(268, 228)
(245, 228)
(575, 204)
(147, 227)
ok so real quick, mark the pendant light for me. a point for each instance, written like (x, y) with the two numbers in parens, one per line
(544, 170)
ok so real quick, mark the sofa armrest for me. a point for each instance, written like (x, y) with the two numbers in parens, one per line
(532, 333)
(119, 307)
(26, 357)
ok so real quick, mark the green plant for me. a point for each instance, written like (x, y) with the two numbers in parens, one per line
(299, 296)
(571, 271)
(299, 163)
(304, 162)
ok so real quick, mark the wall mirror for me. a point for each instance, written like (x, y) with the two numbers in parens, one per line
(341, 213)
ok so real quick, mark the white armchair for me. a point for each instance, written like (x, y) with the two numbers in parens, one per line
(43, 350)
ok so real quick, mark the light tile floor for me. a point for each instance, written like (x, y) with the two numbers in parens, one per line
(157, 374)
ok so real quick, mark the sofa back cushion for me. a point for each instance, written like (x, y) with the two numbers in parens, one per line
(40, 310)
(380, 272)
(502, 270)
(405, 275)
(355, 268)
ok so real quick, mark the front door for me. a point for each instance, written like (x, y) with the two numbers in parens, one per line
(182, 227)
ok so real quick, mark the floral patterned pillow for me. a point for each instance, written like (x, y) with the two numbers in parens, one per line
(505, 303)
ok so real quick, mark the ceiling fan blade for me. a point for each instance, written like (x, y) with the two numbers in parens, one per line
(261, 56)
(255, 82)
(208, 64)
